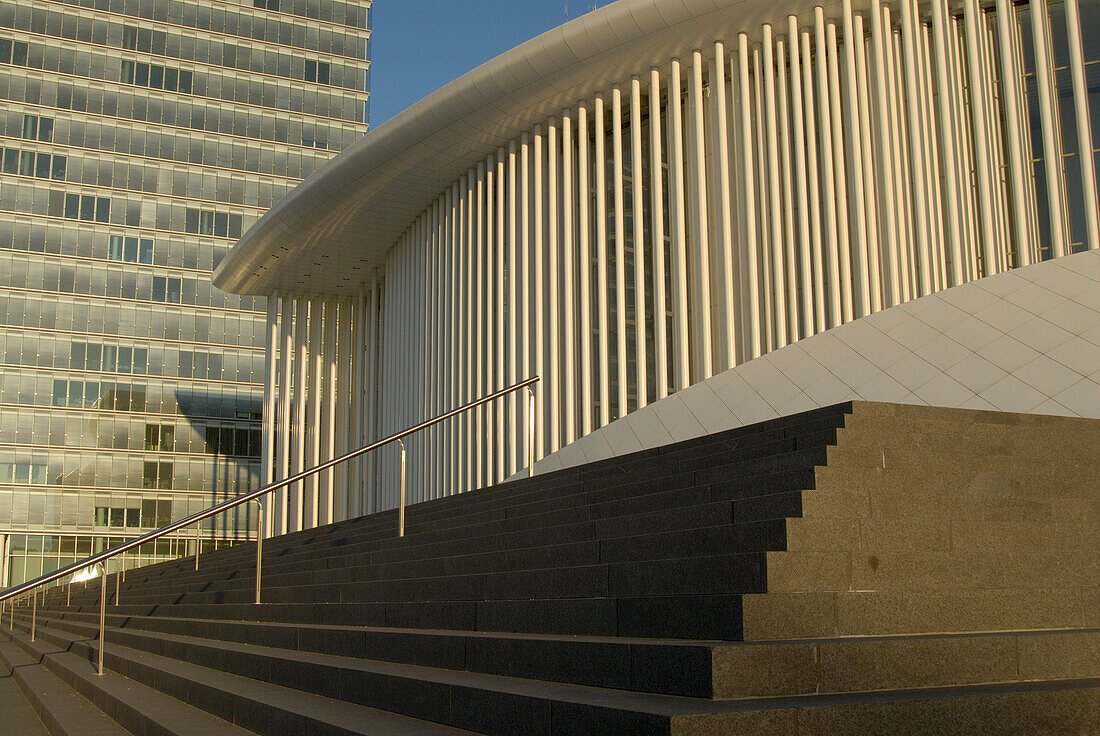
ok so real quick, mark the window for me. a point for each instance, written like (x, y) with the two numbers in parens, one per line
(30, 163)
(13, 52)
(167, 289)
(156, 76)
(24, 473)
(117, 518)
(157, 475)
(308, 143)
(317, 71)
(266, 4)
(86, 207)
(130, 249)
(208, 222)
(160, 437)
(156, 513)
(36, 128)
(107, 358)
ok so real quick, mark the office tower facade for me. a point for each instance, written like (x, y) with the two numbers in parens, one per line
(140, 139)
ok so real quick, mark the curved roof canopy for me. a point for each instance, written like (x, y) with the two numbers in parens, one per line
(328, 234)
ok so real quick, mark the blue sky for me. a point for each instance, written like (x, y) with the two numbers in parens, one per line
(420, 45)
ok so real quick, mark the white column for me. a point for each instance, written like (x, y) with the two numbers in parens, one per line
(585, 275)
(1052, 152)
(762, 203)
(462, 347)
(980, 124)
(553, 271)
(479, 258)
(751, 271)
(1084, 126)
(775, 221)
(840, 170)
(501, 320)
(916, 157)
(333, 502)
(450, 394)
(373, 345)
(874, 266)
(316, 485)
(488, 289)
(861, 299)
(568, 301)
(603, 346)
(528, 322)
(267, 461)
(723, 204)
(514, 432)
(1010, 71)
(952, 230)
(537, 254)
(831, 246)
(359, 411)
(301, 395)
(638, 245)
(702, 222)
(657, 211)
(790, 295)
(678, 227)
(814, 194)
(286, 357)
(621, 407)
(798, 131)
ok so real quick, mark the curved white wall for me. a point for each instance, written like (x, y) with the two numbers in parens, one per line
(766, 186)
(1025, 341)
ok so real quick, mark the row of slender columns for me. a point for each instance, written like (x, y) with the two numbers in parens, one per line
(753, 192)
(317, 406)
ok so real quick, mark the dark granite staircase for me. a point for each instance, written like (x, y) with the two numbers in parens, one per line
(866, 568)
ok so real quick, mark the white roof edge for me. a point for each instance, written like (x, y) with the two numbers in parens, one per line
(358, 204)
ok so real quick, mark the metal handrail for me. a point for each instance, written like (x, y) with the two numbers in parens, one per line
(246, 497)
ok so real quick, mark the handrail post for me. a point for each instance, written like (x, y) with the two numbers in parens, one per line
(401, 508)
(530, 432)
(198, 542)
(34, 613)
(259, 546)
(102, 612)
(69, 592)
(118, 584)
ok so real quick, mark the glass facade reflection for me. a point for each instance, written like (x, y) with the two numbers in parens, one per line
(138, 140)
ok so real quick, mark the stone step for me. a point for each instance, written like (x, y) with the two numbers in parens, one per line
(723, 573)
(214, 702)
(35, 702)
(963, 475)
(1067, 707)
(867, 664)
(902, 503)
(612, 518)
(508, 705)
(807, 615)
(130, 705)
(698, 669)
(712, 617)
(870, 419)
(927, 571)
(937, 535)
(454, 560)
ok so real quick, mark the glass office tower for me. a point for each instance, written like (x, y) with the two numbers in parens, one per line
(139, 139)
